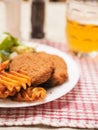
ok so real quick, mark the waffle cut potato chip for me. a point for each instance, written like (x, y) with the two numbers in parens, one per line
(30, 94)
(4, 65)
(12, 82)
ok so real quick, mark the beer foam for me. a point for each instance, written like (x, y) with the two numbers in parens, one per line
(83, 13)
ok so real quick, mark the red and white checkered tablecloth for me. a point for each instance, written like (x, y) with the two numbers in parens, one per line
(79, 108)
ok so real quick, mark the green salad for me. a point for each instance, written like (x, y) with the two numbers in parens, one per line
(10, 46)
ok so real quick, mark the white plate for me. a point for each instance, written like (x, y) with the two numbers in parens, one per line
(52, 93)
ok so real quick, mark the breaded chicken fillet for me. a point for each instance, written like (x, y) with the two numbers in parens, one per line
(43, 68)
(60, 73)
(38, 67)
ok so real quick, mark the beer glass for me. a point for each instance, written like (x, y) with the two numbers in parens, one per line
(82, 26)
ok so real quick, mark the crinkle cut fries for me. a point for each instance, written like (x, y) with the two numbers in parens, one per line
(17, 85)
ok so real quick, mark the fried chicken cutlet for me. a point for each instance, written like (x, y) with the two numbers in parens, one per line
(38, 67)
(44, 69)
(60, 74)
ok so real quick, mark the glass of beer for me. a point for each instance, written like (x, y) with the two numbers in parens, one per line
(82, 26)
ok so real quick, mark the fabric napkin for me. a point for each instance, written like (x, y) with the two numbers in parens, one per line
(78, 108)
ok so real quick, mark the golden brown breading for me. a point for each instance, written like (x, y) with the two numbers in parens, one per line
(60, 74)
(38, 67)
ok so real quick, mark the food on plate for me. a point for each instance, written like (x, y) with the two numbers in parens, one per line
(25, 74)
(4, 65)
(38, 67)
(27, 71)
(60, 73)
(43, 68)
(10, 46)
(30, 94)
(12, 82)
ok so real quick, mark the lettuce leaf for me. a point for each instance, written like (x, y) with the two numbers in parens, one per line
(10, 44)
(7, 42)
